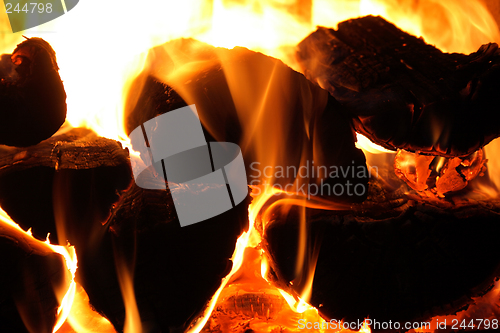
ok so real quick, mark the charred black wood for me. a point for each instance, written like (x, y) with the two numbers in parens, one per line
(401, 261)
(274, 113)
(32, 96)
(73, 178)
(31, 273)
(403, 93)
(177, 269)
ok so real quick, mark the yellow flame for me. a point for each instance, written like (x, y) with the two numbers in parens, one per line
(132, 317)
(101, 46)
(491, 151)
(83, 319)
(69, 254)
(64, 297)
(250, 238)
(365, 328)
(125, 271)
(368, 146)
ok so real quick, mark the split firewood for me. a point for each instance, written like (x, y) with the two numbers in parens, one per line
(175, 269)
(32, 96)
(277, 117)
(408, 261)
(73, 178)
(403, 93)
(31, 277)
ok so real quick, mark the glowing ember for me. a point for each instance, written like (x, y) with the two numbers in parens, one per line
(439, 175)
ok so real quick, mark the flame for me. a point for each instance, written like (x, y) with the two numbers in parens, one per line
(101, 47)
(69, 255)
(491, 151)
(64, 296)
(99, 61)
(132, 317)
(368, 146)
(82, 318)
(250, 238)
(246, 275)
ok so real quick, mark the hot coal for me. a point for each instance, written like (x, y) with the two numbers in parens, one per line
(438, 175)
(32, 95)
(403, 93)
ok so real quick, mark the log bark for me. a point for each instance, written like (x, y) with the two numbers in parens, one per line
(73, 178)
(31, 273)
(273, 113)
(403, 93)
(177, 269)
(390, 259)
(32, 96)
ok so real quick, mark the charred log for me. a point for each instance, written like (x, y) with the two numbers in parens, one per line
(253, 100)
(401, 261)
(73, 178)
(177, 269)
(403, 93)
(32, 96)
(31, 273)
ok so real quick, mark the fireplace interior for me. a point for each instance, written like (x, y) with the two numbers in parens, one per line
(369, 133)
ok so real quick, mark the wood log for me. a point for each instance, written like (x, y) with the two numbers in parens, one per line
(390, 258)
(73, 178)
(177, 269)
(32, 96)
(31, 274)
(275, 114)
(403, 93)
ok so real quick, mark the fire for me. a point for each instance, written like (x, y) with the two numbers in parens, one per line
(368, 146)
(101, 47)
(250, 238)
(126, 278)
(82, 318)
(64, 296)
(249, 279)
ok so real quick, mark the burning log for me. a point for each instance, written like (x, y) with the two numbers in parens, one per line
(275, 114)
(400, 260)
(31, 94)
(73, 178)
(176, 269)
(404, 94)
(70, 182)
(31, 281)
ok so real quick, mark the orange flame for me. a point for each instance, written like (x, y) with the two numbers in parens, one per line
(98, 64)
(99, 61)
(64, 296)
